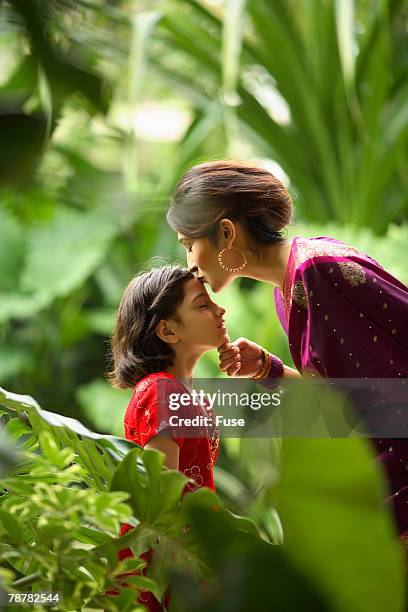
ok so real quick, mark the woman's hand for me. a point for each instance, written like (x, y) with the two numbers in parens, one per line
(240, 358)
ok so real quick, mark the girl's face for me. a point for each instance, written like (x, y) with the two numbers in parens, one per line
(203, 324)
(202, 259)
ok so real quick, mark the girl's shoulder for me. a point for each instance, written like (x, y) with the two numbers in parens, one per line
(149, 405)
(151, 380)
(153, 387)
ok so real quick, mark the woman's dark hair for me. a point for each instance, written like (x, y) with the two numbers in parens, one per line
(136, 350)
(234, 190)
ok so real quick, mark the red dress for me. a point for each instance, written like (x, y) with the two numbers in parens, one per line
(148, 413)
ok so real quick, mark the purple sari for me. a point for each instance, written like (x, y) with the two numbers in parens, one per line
(346, 317)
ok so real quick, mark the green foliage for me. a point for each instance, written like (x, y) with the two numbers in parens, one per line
(32, 100)
(61, 255)
(11, 251)
(95, 452)
(339, 502)
(75, 237)
(8, 454)
(82, 209)
(65, 538)
(92, 214)
(337, 72)
(104, 405)
(63, 499)
(242, 564)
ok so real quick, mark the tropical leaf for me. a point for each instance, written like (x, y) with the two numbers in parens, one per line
(97, 453)
(241, 565)
(78, 238)
(339, 489)
(335, 74)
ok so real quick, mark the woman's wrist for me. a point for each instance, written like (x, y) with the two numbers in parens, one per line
(264, 369)
(272, 367)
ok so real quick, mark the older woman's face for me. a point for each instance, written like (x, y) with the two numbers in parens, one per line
(202, 259)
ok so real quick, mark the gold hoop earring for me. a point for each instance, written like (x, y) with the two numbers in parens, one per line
(226, 267)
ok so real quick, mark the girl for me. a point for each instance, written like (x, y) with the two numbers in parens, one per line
(345, 316)
(165, 322)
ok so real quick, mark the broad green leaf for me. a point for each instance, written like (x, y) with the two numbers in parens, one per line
(71, 433)
(61, 458)
(339, 489)
(154, 492)
(78, 243)
(243, 565)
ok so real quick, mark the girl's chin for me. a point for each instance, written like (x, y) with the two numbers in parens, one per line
(225, 336)
(221, 338)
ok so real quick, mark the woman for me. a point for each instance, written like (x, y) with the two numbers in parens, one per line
(165, 322)
(345, 316)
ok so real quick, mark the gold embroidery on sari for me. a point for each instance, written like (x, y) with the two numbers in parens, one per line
(306, 251)
(352, 272)
(299, 294)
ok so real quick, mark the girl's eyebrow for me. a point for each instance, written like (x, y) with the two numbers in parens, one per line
(199, 295)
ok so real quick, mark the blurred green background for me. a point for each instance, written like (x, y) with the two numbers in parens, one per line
(104, 105)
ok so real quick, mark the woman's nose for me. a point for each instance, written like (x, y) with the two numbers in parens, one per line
(191, 264)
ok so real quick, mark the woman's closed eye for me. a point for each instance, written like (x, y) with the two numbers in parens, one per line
(203, 306)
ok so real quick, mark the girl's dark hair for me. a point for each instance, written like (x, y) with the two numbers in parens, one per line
(234, 190)
(136, 350)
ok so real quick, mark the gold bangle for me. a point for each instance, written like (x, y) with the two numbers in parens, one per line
(264, 371)
(255, 376)
(259, 375)
(265, 374)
